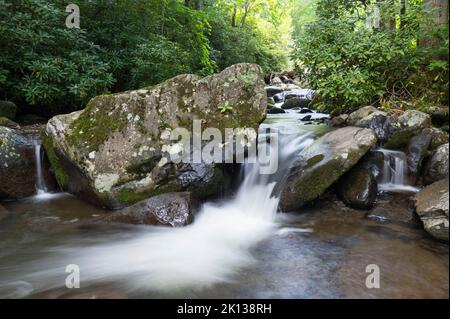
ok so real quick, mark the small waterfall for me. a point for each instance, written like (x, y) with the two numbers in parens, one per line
(210, 250)
(394, 173)
(40, 181)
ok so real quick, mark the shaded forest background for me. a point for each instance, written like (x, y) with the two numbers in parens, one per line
(392, 53)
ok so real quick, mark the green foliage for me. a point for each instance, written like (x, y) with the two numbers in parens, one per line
(127, 44)
(352, 62)
(45, 64)
(225, 107)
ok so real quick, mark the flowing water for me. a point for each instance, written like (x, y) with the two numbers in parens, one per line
(395, 172)
(236, 248)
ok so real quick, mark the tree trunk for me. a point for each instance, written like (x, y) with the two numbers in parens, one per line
(438, 10)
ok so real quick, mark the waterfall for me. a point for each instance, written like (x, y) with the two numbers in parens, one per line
(394, 173)
(40, 181)
(210, 250)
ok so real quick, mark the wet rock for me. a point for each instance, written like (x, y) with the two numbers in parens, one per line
(416, 151)
(17, 165)
(170, 209)
(409, 124)
(305, 94)
(273, 90)
(323, 163)
(306, 118)
(361, 113)
(295, 102)
(305, 111)
(278, 97)
(380, 122)
(8, 109)
(339, 121)
(116, 151)
(276, 110)
(432, 207)
(438, 137)
(436, 166)
(358, 188)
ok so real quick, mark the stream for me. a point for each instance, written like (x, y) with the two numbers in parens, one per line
(237, 247)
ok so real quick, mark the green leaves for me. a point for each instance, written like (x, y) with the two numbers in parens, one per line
(351, 64)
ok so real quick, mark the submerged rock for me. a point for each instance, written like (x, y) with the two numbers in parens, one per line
(170, 209)
(114, 152)
(322, 163)
(432, 207)
(273, 90)
(436, 166)
(17, 165)
(358, 188)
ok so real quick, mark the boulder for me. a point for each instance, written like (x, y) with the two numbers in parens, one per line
(323, 163)
(436, 166)
(305, 111)
(272, 90)
(295, 102)
(17, 165)
(361, 113)
(409, 124)
(114, 153)
(416, 151)
(440, 116)
(358, 188)
(432, 207)
(170, 209)
(278, 97)
(438, 137)
(380, 122)
(8, 109)
(4, 121)
(339, 120)
(276, 110)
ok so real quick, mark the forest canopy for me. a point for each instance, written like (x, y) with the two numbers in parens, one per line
(390, 53)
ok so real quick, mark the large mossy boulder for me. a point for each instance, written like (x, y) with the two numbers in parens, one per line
(114, 152)
(8, 109)
(432, 207)
(436, 166)
(358, 188)
(323, 163)
(17, 165)
(170, 209)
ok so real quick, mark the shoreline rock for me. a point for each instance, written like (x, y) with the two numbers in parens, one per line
(323, 163)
